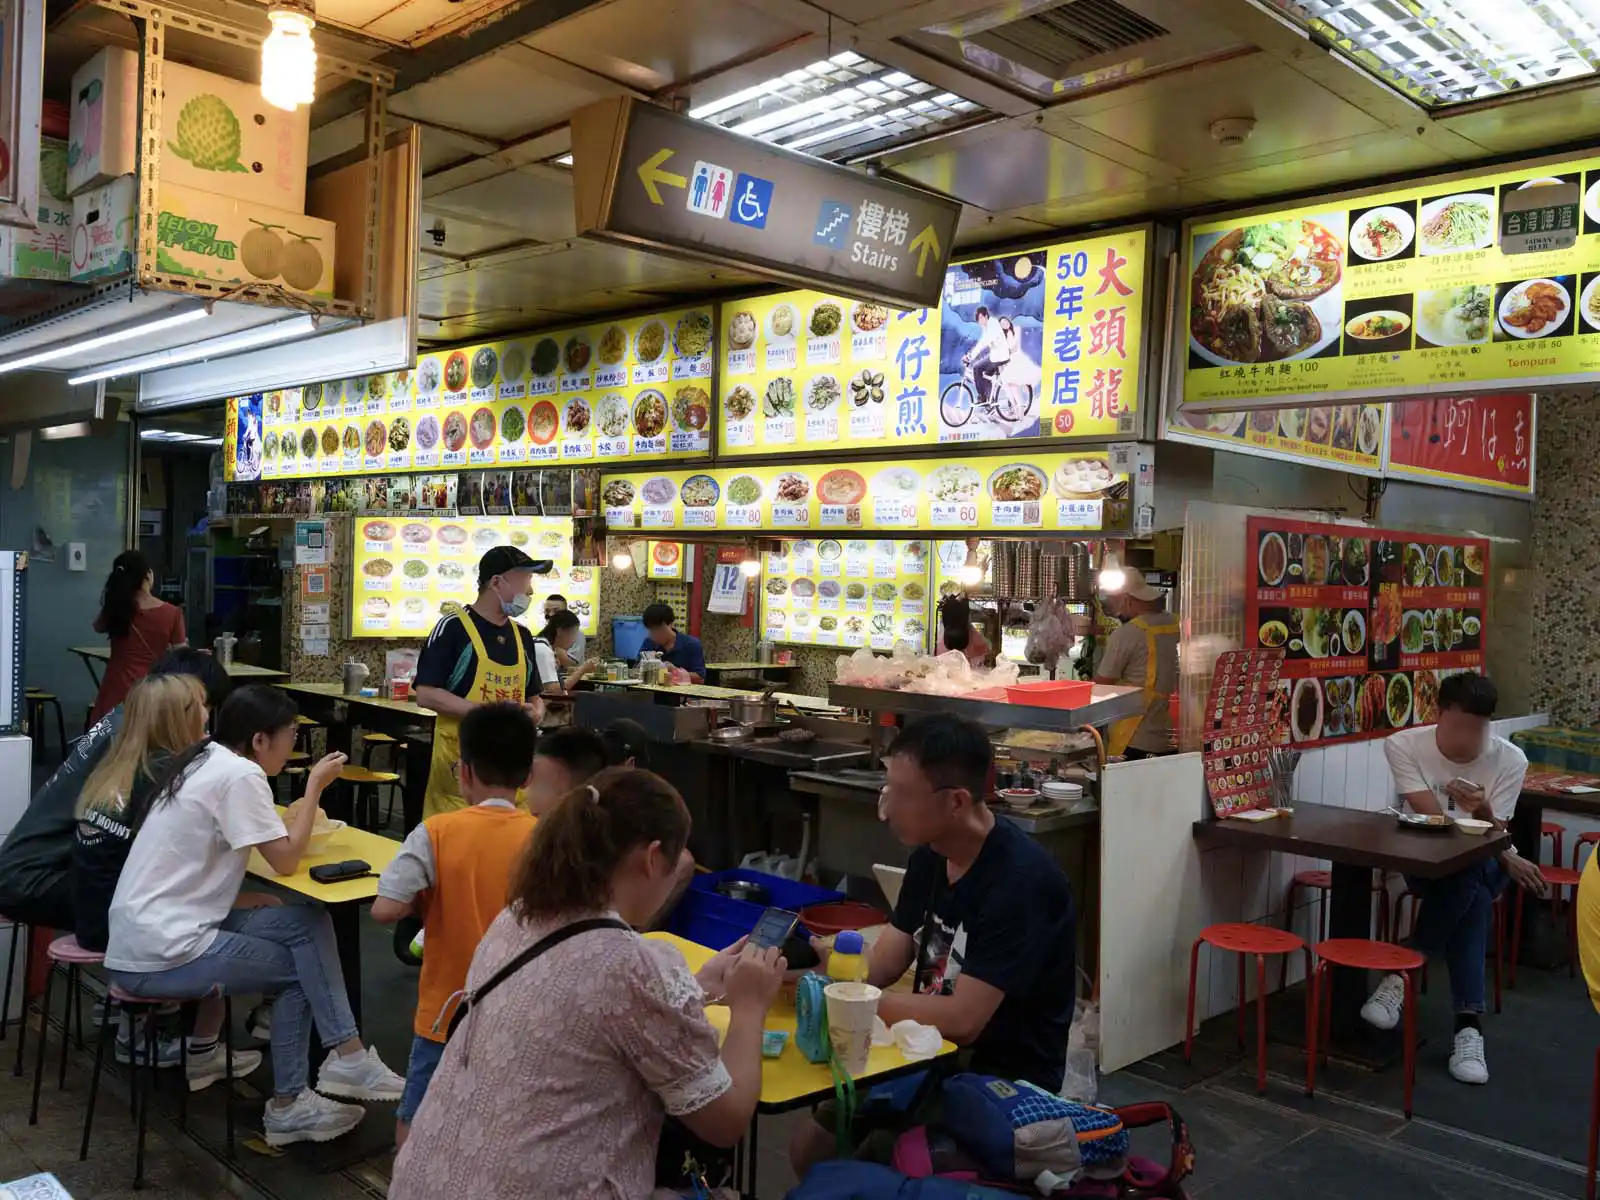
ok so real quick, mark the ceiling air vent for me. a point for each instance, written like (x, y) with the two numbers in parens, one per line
(1055, 39)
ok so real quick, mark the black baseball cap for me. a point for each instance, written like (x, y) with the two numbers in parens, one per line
(502, 560)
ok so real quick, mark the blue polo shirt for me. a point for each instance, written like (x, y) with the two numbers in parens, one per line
(686, 655)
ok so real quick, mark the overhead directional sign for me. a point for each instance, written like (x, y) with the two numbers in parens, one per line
(649, 177)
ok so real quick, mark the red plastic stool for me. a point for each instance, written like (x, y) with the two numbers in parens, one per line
(1322, 881)
(1243, 939)
(66, 952)
(1549, 829)
(1557, 878)
(1584, 839)
(1361, 954)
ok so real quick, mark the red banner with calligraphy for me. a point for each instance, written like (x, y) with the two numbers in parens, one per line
(1479, 441)
(1370, 620)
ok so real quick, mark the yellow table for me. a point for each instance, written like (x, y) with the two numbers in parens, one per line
(789, 1081)
(343, 900)
(239, 672)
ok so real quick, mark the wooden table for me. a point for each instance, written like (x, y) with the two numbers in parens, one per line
(343, 900)
(1356, 843)
(789, 1081)
(1543, 944)
(238, 672)
(397, 718)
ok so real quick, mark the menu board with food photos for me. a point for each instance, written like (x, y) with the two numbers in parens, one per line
(1400, 291)
(1349, 436)
(1044, 492)
(847, 592)
(617, 391)
(1242, 724)
(404, 568)
(1370, 621)
(1039, 343)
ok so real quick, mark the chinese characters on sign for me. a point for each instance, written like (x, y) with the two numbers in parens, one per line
(1480, 441)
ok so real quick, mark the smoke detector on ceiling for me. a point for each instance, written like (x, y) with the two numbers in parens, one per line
(1232, 131)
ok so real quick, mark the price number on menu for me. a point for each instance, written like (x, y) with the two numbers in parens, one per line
(544, 453)
(377, 585)
(415, 585)
(698, 367)
(481, 456)
(740, 433)
(350, 463)
(780, 430)
(368, 622)
(839, 514)
(800, 602)
(867, 422)
(829, 570)
(855, 605)
(745, 516)
(650, 445)
(514, 453)
(741, 362)
(376, 405)
(425, 458)
(790, 514)
(542, 386)
(354, 406)
(657, 516)
(378, 547)
(689, 443)
(883, 641)
(822, 427)
(869, 346)
(611, 447)
(427, 400)
(513, 391)
(884, 568)
(454, 458)
(781, 358)
(703, 515)
(1079, 514)
(577, 448)
(1014, 513)
(947, 513)
(373, 463)
(822, 351)
(854, 639)
(882, 604)
(619, 518)
(577, 383)
(894, 512)
(483, 395)
(610, 377)
(655, 372)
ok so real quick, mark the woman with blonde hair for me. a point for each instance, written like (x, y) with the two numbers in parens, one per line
(162, 716)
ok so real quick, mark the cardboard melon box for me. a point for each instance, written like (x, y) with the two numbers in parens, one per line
(41, 253)
(206, 236)
(219, 135)
(104, 120)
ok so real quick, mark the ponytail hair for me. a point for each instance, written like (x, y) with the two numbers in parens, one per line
(955, 620)
(255, 708)
(576, 849)
(119, 601)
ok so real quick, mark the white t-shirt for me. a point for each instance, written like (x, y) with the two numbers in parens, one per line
(187, 862)
(994, 341)
(1418, 766)
(544, 661)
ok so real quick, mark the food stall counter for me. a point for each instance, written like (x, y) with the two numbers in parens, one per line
(992, 707)
(863, 786)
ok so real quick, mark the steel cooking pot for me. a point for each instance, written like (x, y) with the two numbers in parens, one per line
(753, 710)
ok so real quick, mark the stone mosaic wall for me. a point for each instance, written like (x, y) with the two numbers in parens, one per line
(1564, 592)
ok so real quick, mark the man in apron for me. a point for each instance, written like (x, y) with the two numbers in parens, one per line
(1143, 653)
(478, 655)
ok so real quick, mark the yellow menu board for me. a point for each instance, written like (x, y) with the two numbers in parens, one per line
(1044, 492)
(1397, 291)
(847, 592)
(405, 568)
(618, 391)
(1348, 436)
(1038, 343)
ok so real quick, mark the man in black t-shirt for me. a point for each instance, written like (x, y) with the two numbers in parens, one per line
(985, 915)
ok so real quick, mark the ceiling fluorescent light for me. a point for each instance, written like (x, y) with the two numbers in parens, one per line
(245, 339)
(85, 345)
(60, 433)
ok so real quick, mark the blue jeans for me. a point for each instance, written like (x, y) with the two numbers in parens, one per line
(287, 952)
(1455, 922)
(425, 1057)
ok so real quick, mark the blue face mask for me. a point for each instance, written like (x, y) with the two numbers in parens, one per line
(517, 605)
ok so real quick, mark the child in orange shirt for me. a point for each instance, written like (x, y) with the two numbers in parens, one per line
(453, 872)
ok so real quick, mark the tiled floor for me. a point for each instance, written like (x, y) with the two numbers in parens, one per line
(1520, 1136)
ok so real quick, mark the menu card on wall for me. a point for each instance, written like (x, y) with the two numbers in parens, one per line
(1243, 721)
(1370, 621)
(848, 593)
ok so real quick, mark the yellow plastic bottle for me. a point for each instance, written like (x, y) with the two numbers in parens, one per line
(848, 962)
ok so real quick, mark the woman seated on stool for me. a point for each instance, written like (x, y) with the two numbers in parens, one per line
(561, 632)
(176, 929)
(162, 716)
(558, 1080)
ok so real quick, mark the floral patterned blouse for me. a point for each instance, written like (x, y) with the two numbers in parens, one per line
(556, 1084)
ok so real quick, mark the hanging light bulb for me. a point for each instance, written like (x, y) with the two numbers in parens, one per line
(750, 565)
(1112, 576)
(971, 575)
(622, 560)
(289, 56)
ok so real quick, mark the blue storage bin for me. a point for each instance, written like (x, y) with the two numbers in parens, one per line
(784, 893)
(710, 919)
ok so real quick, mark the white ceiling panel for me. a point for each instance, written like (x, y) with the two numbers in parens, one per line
(1513, 128)
(1007, 167)
(649, 44)
(502, 96)
(1368, 158)
(534, 205)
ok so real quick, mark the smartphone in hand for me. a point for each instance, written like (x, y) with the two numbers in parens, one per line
(774, 928)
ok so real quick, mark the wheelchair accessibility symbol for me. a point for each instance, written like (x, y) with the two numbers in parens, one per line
(752, 201)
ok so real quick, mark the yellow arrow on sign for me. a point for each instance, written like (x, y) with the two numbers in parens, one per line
(925, 242)
(651, 174)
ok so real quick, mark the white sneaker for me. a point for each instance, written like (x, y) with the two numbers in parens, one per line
(169, 1052)
(310, 1118)
(1466, 1060)
(363, 1077)
(211, 1066)
(1382, 1008)
(258, 1024)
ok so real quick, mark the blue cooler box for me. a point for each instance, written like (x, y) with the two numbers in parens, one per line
(709, 919)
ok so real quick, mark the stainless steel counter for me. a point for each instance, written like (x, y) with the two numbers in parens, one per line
(991, 708)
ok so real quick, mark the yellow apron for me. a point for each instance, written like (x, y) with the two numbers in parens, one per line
(1121, 733)
(491, 683)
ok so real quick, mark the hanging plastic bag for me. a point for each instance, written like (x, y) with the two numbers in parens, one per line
(1082, 1079)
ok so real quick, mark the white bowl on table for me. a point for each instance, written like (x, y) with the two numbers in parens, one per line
(1473, 825)
(322, 840)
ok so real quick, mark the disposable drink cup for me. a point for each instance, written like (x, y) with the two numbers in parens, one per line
(851, 1007)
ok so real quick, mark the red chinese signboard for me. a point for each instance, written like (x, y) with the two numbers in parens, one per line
(1370, 620)
(1480, 441)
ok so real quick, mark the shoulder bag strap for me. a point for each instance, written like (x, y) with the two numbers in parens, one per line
(549, 942)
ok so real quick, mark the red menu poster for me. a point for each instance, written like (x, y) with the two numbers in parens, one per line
(1243, 722)
(1370, 620)
(1485, 442)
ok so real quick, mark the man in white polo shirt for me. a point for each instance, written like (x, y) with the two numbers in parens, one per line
(1458, 768)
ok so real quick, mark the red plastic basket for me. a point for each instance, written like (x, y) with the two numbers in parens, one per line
(1051, 693)
(824, 920)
